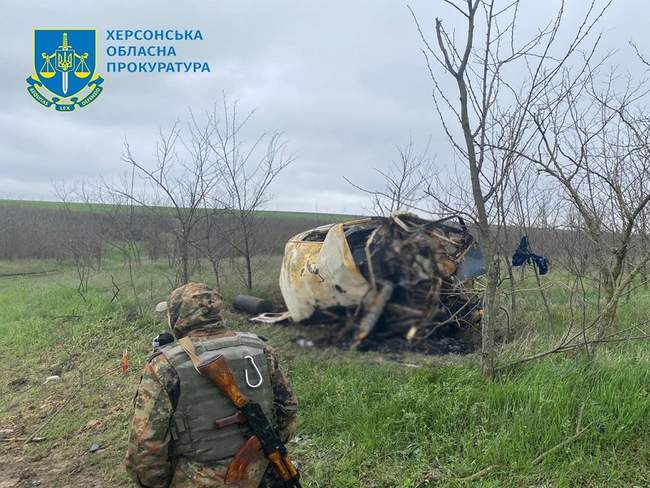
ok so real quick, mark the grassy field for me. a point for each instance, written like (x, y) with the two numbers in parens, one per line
(366, 420)
(99, 207)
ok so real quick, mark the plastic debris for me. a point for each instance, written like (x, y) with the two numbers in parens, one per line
(304, 342)
(524, 255)
(125, 362)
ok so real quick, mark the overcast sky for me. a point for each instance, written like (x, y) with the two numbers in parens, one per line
(343, 80)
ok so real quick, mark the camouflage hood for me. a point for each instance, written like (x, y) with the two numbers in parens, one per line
(192, 306)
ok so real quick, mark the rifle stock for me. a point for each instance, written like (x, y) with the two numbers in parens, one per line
(263, 437)
(217, 370)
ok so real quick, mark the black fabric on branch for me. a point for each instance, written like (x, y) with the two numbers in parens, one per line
(523, 255)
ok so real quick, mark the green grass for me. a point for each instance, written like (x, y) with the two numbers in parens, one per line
(365, 421)
(450, 421)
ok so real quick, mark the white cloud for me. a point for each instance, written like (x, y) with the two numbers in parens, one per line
(344, 81)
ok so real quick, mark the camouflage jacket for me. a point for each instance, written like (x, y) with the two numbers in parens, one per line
(147, 460)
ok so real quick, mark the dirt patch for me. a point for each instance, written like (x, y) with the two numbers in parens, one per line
(449, 340)
(17, 384)
(41, 469)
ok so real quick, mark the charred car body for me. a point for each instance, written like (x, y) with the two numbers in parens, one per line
(384, 278)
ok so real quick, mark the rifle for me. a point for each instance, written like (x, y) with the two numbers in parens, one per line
(263, 437)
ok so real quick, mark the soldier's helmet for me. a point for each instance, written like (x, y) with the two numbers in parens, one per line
(191, 306)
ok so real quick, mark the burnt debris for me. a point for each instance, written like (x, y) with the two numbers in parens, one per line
(401, 282)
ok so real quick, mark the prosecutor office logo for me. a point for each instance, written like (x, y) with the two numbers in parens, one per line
(64, 68)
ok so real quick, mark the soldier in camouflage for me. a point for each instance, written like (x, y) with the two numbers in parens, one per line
(173, 442)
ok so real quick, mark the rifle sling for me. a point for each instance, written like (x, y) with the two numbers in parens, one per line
(188, 347)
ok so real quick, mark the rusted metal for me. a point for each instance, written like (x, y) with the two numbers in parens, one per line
(384, 277)
(375, 310)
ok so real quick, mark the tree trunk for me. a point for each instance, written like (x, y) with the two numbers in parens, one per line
(490, 314)
(611, 304)
(513, 297)
(215, 269)
(185, 260)
(247, 257)
(249, 270)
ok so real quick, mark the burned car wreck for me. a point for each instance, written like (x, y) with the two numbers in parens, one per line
(378, 280)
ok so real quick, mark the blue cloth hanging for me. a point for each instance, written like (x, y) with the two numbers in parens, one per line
(523, 255)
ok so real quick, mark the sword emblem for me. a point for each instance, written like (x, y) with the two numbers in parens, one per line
(66, 60)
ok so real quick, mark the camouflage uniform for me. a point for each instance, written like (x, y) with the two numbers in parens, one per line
(193, 310)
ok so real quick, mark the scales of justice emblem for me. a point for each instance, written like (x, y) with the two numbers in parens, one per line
(64, 63)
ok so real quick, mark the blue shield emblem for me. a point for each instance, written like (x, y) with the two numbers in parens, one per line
(64, 60)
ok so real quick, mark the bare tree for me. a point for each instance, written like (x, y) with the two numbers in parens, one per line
(246, 171)
(213, 243)
(82, 237)
(404, 181)
(177, 184)
(491, 109)
(594, 143)
(125, 219)
(528, 207)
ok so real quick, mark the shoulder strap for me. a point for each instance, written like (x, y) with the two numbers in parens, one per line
(241, 338)
(188, 347)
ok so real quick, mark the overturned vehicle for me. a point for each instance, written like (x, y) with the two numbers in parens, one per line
(386, 283)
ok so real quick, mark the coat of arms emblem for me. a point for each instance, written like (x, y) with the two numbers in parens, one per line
(64, 65)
